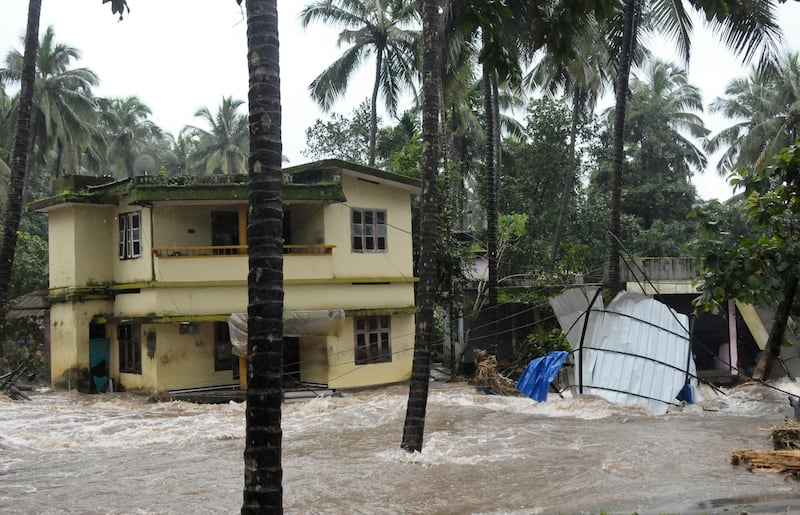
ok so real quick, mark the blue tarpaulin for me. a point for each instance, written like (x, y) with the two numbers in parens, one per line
(540, 372)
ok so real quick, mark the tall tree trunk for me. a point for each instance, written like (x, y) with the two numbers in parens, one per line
(373, 114)
(569, 177)
(629, 36)
(414, 427)
(775, 340)
(491, 199)
(263, 490)
(19, 159)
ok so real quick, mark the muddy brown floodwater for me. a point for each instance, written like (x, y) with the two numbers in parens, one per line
(116, 453)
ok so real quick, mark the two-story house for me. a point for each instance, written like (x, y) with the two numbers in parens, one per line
(146, 272)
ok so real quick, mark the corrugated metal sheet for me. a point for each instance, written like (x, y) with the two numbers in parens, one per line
(33, 304)
(635, 352)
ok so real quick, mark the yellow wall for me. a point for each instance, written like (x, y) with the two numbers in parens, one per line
(179, 361)
(181, 225)
(187, 360)
(341, 357)
(69, 332)
(313, 359)
(201, 268)
(397, 262)
(307, 224)
(349, 296)
(182, 301)
(186, 224)
(77, 234)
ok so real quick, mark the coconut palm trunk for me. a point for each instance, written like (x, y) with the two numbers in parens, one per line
(263, 491)
(569, 175)
(629, 34)
(373, 113)
(489, 100)
(413, 429)
(19, 158)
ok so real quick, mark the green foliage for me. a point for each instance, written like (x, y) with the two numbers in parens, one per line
(533, 183)
(23, 342)
(30, 267)
(340, 137)
(541, 341)
(400, 147)
(223, 147)
(747, 250)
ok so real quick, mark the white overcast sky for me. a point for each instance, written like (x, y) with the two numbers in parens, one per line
(180, 55)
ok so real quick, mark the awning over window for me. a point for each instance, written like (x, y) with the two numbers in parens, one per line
(318, 322)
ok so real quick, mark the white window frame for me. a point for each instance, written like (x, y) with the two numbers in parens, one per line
(130, 235)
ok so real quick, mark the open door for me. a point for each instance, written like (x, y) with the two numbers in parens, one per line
(98, 364)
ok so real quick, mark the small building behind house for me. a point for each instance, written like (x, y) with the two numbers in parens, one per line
(726, 347)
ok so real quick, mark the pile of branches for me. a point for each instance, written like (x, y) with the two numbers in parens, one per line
(787, 437)
(487, 376)
(785, 459)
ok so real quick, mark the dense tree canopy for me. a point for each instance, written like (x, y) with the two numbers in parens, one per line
(749, 252)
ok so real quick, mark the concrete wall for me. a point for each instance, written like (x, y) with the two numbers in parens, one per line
(343, 373)
(78, 237)
(398, 261)
(69, 336)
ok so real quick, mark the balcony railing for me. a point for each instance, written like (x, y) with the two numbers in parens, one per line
(237, 250)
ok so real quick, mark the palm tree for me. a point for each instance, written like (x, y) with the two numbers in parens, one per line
(64, 114)
(766, 108)
(662, 92)
(426, 289)
(181, 149)
(748, 28)
(127, 132)
(382, 27)
(263, 474)
(658, 168)
(223, 148)
(582, 77)
(19, 157)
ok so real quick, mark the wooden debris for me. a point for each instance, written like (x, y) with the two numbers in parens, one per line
(786, 437)
(785, 462)
(8, 384)
(488, 377)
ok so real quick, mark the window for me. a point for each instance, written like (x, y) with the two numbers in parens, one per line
(373, 340)
(130, 235)
(223, 357)
(130, 348)
(368, 230)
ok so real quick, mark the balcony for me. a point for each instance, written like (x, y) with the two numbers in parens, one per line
(229, 263)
